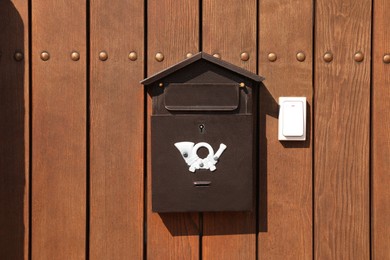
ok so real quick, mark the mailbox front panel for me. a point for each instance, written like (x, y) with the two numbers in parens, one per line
(228, 187)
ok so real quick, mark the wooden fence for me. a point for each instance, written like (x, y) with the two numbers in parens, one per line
(75, 141)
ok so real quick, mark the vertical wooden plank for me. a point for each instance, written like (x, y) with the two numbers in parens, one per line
(380, 132)
(58, 130)
(229, 28)
(285, 178)
(14, 130)
(117, 129)
(342, 130)
(173, 30)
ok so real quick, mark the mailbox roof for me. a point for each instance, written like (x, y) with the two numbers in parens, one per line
(201, 55)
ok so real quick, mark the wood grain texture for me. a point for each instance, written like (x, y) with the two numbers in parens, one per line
(14, 130)
(59, 131)
(117, 130)
(285, 178)
(342, 130)
(173, 30)
(380, 143)
(229, 28)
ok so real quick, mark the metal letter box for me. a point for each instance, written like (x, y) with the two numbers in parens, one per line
(203, 143)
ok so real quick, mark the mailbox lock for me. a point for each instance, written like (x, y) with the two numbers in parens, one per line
(201, 128)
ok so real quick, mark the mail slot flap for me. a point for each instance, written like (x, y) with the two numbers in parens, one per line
(202, 97)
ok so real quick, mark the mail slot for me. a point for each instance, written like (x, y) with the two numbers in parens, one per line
(203, 136)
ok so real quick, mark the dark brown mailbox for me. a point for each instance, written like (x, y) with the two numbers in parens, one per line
(203, 136)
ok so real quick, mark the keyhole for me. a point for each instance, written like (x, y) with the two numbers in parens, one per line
(201, 128)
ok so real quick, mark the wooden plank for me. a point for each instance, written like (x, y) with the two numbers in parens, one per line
(229, 28)
(380, 133)
(14, 130)
(117, 129)
(173, 30)
(342, 130)
(285, 177)
(59, 130)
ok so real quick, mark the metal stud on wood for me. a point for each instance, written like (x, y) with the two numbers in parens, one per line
(18, 56)
(103, 56)
(159, 57)
(272, 57)
(75, 56)
(217, 55)
(133, 56)
(328, 57)
(359, 56)
(386, 58)
(45, 56)
(244, 56)
(301, 56)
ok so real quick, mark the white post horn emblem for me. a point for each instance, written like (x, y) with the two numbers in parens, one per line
(189, 151)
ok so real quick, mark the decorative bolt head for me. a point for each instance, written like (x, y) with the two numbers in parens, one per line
(185, 155)
(301, 56)
(103, 56)
(272, 57)
(328, 57)
(217, 55)
(45, 56)
(386, 58)
(188, 55)
(159, 57)
(133, 56)
(244, 56)
(18, 56)
(359, 56)
(242, 84)
(75, 56)
(201, 164)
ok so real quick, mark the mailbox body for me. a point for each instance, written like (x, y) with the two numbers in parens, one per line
(203, 102)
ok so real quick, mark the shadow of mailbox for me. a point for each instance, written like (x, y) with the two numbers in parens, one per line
(203, 136)
(13, 139)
